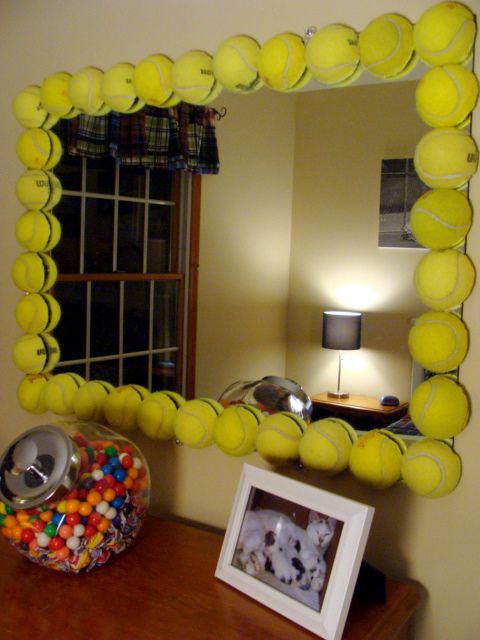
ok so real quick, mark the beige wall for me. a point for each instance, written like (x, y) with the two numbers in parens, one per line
(434, 542)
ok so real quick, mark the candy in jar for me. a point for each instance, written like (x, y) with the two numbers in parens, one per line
(72, 494)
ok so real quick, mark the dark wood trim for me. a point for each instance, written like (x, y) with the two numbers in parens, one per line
(194, 266)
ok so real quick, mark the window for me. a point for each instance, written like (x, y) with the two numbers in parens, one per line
(127, 273)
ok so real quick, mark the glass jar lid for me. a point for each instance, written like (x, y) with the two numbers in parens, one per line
(41, 465)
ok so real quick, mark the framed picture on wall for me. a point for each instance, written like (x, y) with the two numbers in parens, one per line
(295, 548)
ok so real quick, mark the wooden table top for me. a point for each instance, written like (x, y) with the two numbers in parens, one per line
(360, 403)
(163, 588)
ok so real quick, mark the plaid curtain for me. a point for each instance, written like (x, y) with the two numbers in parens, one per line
(182, 137)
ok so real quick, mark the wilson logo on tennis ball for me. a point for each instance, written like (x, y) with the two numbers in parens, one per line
(43, 352)
(42, 183)
(472, 157)
(206, 72)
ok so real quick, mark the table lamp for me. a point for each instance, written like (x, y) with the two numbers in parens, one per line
(341, 331)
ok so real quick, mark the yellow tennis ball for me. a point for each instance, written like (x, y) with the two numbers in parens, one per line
(38, 230)
(36, 189)
(439, 407)
(157, 412)
(445, 96)
(85, 91)
(282, 62)
(36, 353)
(39, 149)
(194, 422)
(326, 445)
(122, 404)
(438, 341)
(118, 91)
(441, 218)
(279, 436)
(34, 272)
(28, 109)
(54, 95)
(30, 392)
(192, 77)
(444, 279)
(445, 33)
(236, 429)
(376, 459)
(333, 55)
(431, 468)
(60, 391)
(235, 64)
(446, 158)
(37, 313)
(89, 401)
(152, 80)
(386, 46)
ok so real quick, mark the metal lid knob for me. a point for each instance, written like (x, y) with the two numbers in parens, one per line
(41, 465)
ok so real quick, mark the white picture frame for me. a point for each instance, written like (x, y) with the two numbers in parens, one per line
(253, 566)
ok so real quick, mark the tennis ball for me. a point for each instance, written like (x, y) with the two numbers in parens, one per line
(152, 80)
(386, 46)
(445, 34)
(438, 341)
(441, 218)
(122, 404)
(39, 149)
(34, 272)
(37, 313)
(195, 420)
(431, 468)
(85, 91)
(37, 189)
(157, 412)
(118, 91)
(376, 458)
(36, 353)
(89, 401)
(326, 445)
(439, 407)
(235, 64)
(444, 279)
(28, 110)
(445, 96)
(192, 77)
(60, 391)
(236, 429)
(30, 392)
(38, 230)
(282, 62)
(279, 436)
(54, 95)
(446, 158)
(333, 55)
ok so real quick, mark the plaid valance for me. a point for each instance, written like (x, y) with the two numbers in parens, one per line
(182, 137)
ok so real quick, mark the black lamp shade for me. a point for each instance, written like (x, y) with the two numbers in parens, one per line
(341, 330)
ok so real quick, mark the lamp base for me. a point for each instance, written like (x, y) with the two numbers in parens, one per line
(338, 394)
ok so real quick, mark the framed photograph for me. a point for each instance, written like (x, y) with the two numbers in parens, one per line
(295, 548)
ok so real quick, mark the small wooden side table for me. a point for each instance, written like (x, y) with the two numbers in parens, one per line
(362, 412)
(164, 587)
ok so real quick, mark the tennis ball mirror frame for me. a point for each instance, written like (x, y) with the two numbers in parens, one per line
(445, 158)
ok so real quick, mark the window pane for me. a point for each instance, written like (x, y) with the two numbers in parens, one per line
(98, 235)
(71, 330)
(136, 314)
(135, 371)
(69, 172)
(101, 176)
(164, 314)
(158, 246)
(164, 371)
(71, 368)
(104, 334)
(106, 370)
(131, 222)
(67, 252)
(392, 194)
(132, 181)
(161, 184)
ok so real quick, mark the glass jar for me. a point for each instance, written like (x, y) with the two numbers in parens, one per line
(72, 494)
